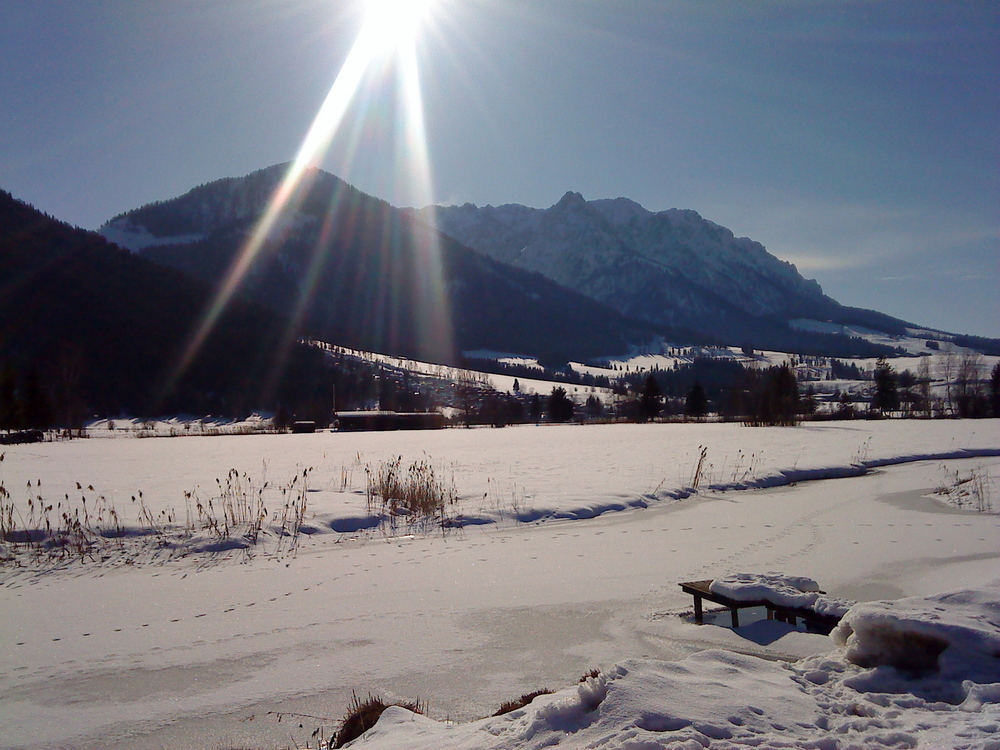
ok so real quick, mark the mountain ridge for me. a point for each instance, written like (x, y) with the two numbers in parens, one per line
(362, 258)
(670, 267)
(582, 279)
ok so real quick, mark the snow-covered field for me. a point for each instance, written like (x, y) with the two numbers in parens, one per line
(180, 648)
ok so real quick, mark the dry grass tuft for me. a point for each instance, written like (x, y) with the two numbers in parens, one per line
(972, 491)
(507, 706)
(91, 527)
(419, 494)
(362, 716)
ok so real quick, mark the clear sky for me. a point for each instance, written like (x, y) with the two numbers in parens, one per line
(859, 140)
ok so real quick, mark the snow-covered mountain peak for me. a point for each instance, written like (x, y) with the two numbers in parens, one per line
(216, 205)
(673, 266)
(619, 211)
(571, 199)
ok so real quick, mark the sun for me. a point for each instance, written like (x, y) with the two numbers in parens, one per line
(393, 22)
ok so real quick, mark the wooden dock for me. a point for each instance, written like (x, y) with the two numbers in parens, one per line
(701, 590)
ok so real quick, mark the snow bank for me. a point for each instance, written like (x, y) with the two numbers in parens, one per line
(638, 703)
(856, 468)
(524, 474)
(951, 640)
(851, 698)
(780, 589)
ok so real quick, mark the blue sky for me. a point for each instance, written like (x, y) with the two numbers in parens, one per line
(858, 140)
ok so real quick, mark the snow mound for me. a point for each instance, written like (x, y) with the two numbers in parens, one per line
(638, 703)
(854, 697)
(780, 589)
(951, 640)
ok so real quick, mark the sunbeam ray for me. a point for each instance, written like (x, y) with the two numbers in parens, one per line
(434, 324)
(389, 27)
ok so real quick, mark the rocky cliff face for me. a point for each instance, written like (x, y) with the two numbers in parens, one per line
(672, 267)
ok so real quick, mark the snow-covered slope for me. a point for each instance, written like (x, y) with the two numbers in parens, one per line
(205, 209)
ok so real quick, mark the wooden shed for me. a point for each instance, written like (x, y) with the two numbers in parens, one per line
(388, 420)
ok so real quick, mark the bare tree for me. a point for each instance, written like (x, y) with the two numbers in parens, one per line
(924, 385)
(949, 366)
(968, 386)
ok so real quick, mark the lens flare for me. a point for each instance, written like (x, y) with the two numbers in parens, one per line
(389, 30)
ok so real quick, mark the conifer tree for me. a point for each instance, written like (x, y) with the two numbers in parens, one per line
(560, 405)
(696, 403)
(651, 400)
(886, 397)
(9, 406)
(995, 389)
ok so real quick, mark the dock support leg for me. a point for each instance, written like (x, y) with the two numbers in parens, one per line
(736, 616)
(698, 615)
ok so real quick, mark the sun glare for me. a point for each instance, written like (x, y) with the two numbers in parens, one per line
(393, 21)
(389, 29)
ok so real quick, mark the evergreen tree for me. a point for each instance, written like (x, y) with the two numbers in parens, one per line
(995, 389)
(560, 405)
(651, 400)
(594, 407)
(784, 395)
(886, 397)
(845, 407)
(696, 403)
(282, 418)
(536, 408)
(9, 405)
(773, 397)
(808, 402)
(37, 413)
(514, 410)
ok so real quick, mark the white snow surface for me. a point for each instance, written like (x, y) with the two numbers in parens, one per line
(720, 699)
(181, 648)
(136, 238)
(502, 383)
